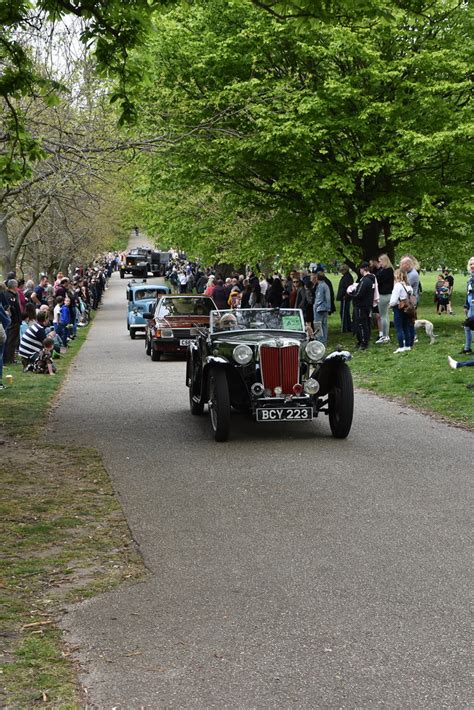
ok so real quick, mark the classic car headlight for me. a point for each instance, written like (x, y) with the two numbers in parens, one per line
(242, 354)
(315, 350)
(166, 333)
(311, 386)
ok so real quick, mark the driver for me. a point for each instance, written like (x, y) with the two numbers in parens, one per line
(228, 322)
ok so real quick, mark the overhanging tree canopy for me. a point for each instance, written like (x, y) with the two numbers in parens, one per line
(341, 131)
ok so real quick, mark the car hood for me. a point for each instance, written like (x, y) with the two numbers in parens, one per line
(183, 321)
(271, 337)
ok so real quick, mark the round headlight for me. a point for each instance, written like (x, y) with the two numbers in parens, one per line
(311, 386)
(242, 354)
(315, 350)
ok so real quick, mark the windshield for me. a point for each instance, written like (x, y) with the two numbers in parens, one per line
(145, 293)
(257, 319)
(185, 307)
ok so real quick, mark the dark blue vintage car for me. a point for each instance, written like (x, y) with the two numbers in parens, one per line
(140, 296)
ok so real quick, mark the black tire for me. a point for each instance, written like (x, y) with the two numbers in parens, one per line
(147, 346)
(133, 334)
(155, 354)
(122, 275)
(219, 403)
(341, 401)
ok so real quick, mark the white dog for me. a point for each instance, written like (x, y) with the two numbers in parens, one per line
(428, 326)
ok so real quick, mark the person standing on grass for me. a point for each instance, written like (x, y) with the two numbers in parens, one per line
(385, 280)
(400, 295)
(469, 307)
(343, 297)
(39, 295)
(410, 265)
(13, 334)
(321, 308)
(449, 279)
(4, 325)
(59, 326)
(363, 297)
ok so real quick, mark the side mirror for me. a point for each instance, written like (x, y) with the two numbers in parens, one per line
(147, 316)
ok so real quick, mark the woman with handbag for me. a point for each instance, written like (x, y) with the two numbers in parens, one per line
(403, 310)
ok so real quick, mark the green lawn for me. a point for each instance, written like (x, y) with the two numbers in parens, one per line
(63, 537)
(421, 377)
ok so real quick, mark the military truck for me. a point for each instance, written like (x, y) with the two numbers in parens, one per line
(141, 261)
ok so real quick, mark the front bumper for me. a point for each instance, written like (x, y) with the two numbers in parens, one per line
(168, 345)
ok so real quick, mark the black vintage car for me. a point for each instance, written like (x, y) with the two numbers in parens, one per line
(261, 361)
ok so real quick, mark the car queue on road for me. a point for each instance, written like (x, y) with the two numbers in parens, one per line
(263, 362)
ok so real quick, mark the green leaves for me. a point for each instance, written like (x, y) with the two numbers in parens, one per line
(339, 126)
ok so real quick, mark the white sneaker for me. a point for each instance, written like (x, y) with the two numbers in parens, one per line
(386, 339)
(399, 350)
(407, 348)
(452, 362)
(380, 340)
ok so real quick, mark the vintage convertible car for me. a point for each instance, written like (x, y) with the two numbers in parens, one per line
(171, 322)
(140, 296)
(261, 361)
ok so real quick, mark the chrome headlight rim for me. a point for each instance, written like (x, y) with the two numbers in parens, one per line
(242, 354)
(311, 386)
(315, 351)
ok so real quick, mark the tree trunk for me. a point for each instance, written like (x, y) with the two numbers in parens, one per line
(370, 240)
(5, 248)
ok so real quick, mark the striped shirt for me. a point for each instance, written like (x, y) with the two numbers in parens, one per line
(32, 341)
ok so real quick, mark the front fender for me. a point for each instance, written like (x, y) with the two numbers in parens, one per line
(328, 367)
(136, 319)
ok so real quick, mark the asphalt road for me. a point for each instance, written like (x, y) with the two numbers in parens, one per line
(287, 569)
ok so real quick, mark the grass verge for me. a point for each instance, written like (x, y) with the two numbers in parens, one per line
(63, 537)
(420, 378)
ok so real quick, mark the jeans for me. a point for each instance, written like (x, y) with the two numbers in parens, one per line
(61, 330)
(402, 326)
(321, 317)
(384, 313)
(468, 338)
(2, 345)
(466, 363)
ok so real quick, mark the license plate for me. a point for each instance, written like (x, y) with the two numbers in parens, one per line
(284, 414)
(186, 342)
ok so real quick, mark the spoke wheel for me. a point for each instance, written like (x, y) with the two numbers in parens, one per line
(341, 402)
(219, 404)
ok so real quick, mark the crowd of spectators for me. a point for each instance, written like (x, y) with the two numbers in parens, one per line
(371, 299)
(39, 320)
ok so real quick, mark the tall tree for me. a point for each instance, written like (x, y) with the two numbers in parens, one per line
(111, 28)
(310, 128)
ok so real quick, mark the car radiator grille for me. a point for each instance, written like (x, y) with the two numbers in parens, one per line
(280, 367)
